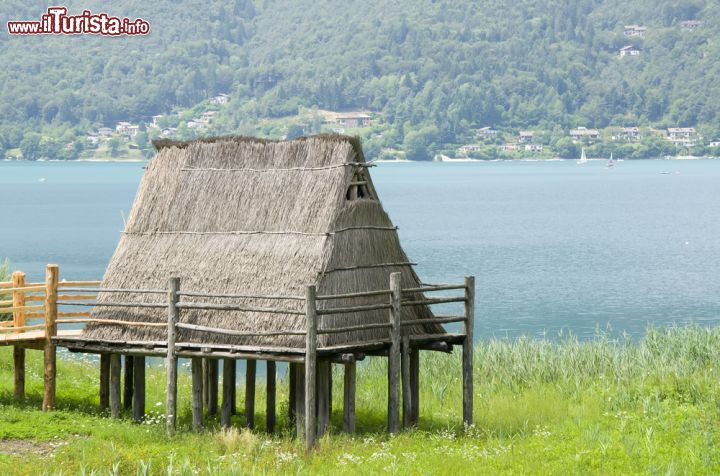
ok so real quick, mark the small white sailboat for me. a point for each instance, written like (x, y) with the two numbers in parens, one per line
(610, 162)
(583, 159)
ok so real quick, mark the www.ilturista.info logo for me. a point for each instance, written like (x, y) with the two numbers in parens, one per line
(58, 22)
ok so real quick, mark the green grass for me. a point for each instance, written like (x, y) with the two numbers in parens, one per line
(601, 407)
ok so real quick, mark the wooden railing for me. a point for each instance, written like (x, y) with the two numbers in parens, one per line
(53, 293)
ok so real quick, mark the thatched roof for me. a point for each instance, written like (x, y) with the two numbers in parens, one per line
(248, 216)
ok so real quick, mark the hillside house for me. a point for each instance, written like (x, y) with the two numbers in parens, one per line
(534, 147)
(105, 132)
(714, 143)
(682, 136)
(354, 119)
(220, 99)
(487, 132)
(691, 24)
(92, 139)
(196, 124)
(156, 120)
(169, 132)
(629, 51)
(631, 134)
(526, 137)
(206, 117)
(127, 129)
(635, 31)
(464, 150)
(584, 134)
(509, 147)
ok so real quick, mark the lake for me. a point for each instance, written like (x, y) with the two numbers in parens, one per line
(554, 246)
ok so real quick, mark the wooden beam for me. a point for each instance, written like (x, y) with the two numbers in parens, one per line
(292, 387)
(18, 302)
(139, 389)
(233, 388)
(406, 387)
(171, 359)
(227, 384)
(250, 373)
(213, 371)
(104, 381)
(270, 396)
(394, 355)
(415, 386)
(52, 273)
(310, 368)
(349, 398)
(128, 381)
(467, 364)
(114, 385)
(197, 390)
(299, 400)
(323, 397)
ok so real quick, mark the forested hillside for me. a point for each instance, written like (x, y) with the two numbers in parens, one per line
(431, 71)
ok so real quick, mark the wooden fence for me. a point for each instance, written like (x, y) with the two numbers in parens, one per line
(403, 364)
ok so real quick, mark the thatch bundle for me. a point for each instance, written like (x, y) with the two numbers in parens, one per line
(248, 216)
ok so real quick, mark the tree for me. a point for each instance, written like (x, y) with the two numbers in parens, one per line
(114, 145)
(419, 145)
(566, 148)
(30, 146)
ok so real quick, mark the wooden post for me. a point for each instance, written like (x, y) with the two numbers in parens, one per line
(414, 386)
(250, 372)
(52, 273)
(18, 300)
(270, 394)
(299, 399)
(467, 364)
(197, 390)
(310, 368)
(394, 356)
(227, 383)
(233, 389)
(114, 386)
(171, 360)
(139, 389)
(212, 390)
(323, 397)
(128, 382)
(349, 399)
(104, 381)
(406, 387)
(292, 386)
(205, 384)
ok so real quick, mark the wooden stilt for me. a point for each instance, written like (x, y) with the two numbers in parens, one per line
(323, 397)
(414, 386)
(250, 372)
(212, 368)
(349, 399)
(171, 359)
(467, 370)
(206, 384)
(406, 387)
(310, 368)
(197, 391)
(52, 273)
(394, 356)
(18, 300)
(270, 395)
(104, 381)
(292, 387)
(233, 389)
(299, 400)
(226, 409)
(19, 365)
(114, 385)
(128, 382)
(330, 389)
(139, 389)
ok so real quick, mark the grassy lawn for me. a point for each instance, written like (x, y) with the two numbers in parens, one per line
(600, 407)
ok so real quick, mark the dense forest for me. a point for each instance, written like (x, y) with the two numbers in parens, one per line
(432, 71)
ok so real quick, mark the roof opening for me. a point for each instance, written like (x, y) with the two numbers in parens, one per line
(358, 188)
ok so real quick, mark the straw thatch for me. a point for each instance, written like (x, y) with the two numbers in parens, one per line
(248, 216)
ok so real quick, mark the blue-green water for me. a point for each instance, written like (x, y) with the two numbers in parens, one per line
(554, 245)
